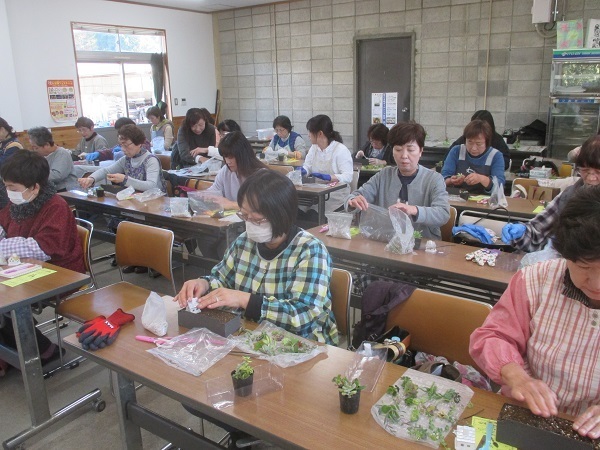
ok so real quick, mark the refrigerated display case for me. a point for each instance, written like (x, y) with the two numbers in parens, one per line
(574, 113)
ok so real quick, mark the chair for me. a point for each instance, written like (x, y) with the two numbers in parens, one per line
(199, 185)
(525, 183)
(341, 288)
(446, 229)
(284, 170)
(354, 182)
(165, 161)
(440, 324)
(85, 229)
(136, 245)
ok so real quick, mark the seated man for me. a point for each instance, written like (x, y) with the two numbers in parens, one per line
(62, 174)
(90, 140)
(37, 224)
(410, 187)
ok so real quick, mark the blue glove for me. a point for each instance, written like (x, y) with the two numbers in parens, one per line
(322, 176)
(476, 231)
(302, 171)
(92, 156)
(512, 231)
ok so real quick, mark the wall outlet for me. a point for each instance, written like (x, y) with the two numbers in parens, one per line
(183, 101)
(176, 101)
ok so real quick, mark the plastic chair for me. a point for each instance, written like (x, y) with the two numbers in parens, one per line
(341, 288)
(446, 229)
(165, 161)
(440, 324)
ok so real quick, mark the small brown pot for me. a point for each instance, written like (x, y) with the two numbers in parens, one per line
(349, 405)
(242, 388)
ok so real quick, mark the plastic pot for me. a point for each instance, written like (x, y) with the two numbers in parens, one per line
(242, 388)
(417, 243)
(349, 405)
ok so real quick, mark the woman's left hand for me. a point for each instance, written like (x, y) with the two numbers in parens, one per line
(588, 423)
(475, 178)
(115, 177)
(224, 297)
(411, 210)
(376, 162)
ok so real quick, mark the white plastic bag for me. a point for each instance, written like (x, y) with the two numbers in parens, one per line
(339, 225)
(296, 177)
(497, 198)
(148, 195)
(158, 143)
(195, 351)
(179, 207)
(154, 317)
(125, 193)
(403, 240)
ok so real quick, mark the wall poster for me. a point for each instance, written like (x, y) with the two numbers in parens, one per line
(61, 99)
(384, 108)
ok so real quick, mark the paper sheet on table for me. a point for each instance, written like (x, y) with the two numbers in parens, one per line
(476, 198)
(480, 425)
(28, 277)
(539, 209)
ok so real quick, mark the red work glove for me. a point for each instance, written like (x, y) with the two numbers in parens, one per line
(100, 331)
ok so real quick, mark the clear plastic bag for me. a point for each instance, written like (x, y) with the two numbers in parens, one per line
(179, 207)
(271, 155)
(154, 317)
(125, 193)
(367, 365)
(282, 348)
(339, 225)
(205, 203)
(497, 198)
(403, 240)
(375, 223)
(158, 144)
(193, 352)
(296, 177)
(150, 194)
(542, 255)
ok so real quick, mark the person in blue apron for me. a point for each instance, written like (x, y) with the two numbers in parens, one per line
(285, 140)
(472, 165)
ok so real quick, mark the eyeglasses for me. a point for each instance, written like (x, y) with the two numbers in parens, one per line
(126, 144)
(585, 172)
(245, 218)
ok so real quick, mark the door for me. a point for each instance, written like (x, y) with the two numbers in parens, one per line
(384, 64)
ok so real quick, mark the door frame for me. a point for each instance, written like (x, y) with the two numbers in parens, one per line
(358, 38)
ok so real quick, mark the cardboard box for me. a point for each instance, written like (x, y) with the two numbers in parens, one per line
(542, 193)
(224, 323)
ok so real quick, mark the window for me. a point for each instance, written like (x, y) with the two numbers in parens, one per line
(115, 71)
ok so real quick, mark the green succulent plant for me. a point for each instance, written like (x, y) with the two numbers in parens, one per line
(346, 387)
(243, 370)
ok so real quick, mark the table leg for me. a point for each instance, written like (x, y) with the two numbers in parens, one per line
(321, 209)
(131, 436)
(31, 366)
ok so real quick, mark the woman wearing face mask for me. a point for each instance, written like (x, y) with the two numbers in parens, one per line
(275, 271)
(195, 135)
(37, 224)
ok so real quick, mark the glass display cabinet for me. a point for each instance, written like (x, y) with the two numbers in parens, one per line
(574, 100)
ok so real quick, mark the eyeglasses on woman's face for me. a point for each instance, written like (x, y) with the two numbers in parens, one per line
(246, 218)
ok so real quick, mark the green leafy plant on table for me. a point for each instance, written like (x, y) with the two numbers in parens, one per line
(346, 387)
(244, 369)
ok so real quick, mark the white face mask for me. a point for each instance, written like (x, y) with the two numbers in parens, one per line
(259, 233)
(17, 197)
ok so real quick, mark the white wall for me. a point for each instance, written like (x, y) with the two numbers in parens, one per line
(10, 109)
(42, 49)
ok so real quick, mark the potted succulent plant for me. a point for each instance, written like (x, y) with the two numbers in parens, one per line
(438, 166)
(417, 235)
(243, 377)
(349, 393)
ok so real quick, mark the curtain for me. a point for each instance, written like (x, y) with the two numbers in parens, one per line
(158, 75)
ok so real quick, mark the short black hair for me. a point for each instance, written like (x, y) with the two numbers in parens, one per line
(236, 145)
(40, 136)
(283, 122)
(274, 196)
(84, 122)
(378, 132)
(589, 154)
(476, 127)
(133, 133)
(405, 132)
(26, 168)
(123, 121)
(576, 232)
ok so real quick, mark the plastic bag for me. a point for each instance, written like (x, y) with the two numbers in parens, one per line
(150, 194)
(195, 351)
(154, 317)
(403, 240)
(539, 256)
(271, 155)
(158, 144)
(179, 207)
(296, 177)
(375, 223)
(497, 198)
(367, 365)
(206, 203)
(339, 225)
(282, 348)
(125, 193)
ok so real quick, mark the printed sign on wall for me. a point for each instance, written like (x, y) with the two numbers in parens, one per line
(61, 99)
(384, 108)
